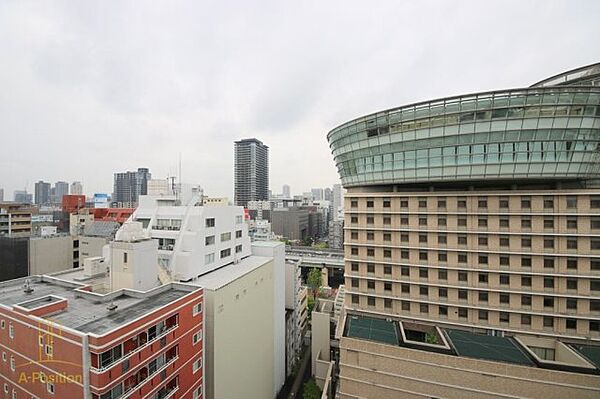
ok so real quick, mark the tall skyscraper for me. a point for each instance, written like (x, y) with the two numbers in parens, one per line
(42, 193)
(61, 189)
(251, 173)
(1, 194)
(286, 191)
(337, 200)
(317, 193)
(76, 188)
(480, 229)
(23, 197)
(128, 186)
(328, 194)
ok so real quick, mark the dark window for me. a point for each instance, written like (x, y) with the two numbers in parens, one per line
(572, 243)
(353, 203)
(462, 239)
(442, 274)
(594, 305)
(482, 240)
(422, 255)
(571, 284)
(482, 202)
(526, 319)
(462, 313)
(483, 296)
(462, 276)
(387, 253)
(422, 221)
(526, 202)
(548, 321)
(423, 273)
(549, 263)
(595, 202)
(423, 238)
(370, 235)
(404, 237)
(482, 222)
(526, 281)
(355, 299)
(526, 242)
(441, 203)
(525, 261)
(483, 315)
(405, 271)
(371, 285)
(571, 324)
(504, 298)
(442, 239)
(387, 237)
(595, 285)
(504, 279)
(354, 235)
(422, 203)
(504, 221)
(387, 203)
(594, 325)
(572, 222)
(354, 251)
(504, 260)
(406, 306)
(572, 263)
(462, 294)
(354, 283)
(370, 251)
(387, 303)
(526, 222)
(571, 303)
(370, 220)
(387, 286)
(503, 202)
(423, 308)
(370, 301)
(405, 288)
(404, 202)
(548, 203)
(548, 302)
(370, 203)
(483, 278)
(354, 219)
(548, 282)
(461, 202)
(595, 264)
(594, 243)
(525, 300)
(595, 223)
(443, 310)
(423, 290)
(548, 223)
(387, 269)
(442, 257)
(482, 259)
(504, 317)
(571, 202)
(461, 221)
(442, 221)
(462, 257)
(443, 292)
(370, 268)
(387, 220)
(354, 266)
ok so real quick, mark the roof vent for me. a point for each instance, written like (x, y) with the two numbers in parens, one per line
(27, 287)
(112, 306)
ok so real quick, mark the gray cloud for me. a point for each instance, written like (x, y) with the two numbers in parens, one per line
(93, 88)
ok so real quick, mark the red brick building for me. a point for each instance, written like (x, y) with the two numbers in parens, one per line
(60, 339)
(72, 203)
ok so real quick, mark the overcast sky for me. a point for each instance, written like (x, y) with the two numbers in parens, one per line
(91, 88)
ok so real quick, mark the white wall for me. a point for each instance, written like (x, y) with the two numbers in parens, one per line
(276, 250)
(140, 272)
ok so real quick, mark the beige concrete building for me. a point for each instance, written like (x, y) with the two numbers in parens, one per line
(15, 219)
(472, 231)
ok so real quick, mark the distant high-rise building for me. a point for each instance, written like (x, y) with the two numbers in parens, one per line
(128, 186)
(286, 191)
(61, 189)
(23, 197)
(42, 193)
(76, 188)
(317, 193)
(328, 194)
(251, 171)
(1, 194)
(337, 199)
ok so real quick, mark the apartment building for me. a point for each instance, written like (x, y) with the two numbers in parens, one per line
(15, 219)
(474, 222)
(60, 339)
(251, 171)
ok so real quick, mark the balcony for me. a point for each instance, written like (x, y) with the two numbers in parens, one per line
(167, 228)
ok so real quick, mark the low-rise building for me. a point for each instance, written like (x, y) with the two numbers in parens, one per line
(60, 339)
(15, 219)
(290, 223)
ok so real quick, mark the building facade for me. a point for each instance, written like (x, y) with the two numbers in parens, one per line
(251, 171)
(42, 193)
(15, 219)
(61, 188)
(128, 186)
(480, 212)
(76, 188)
(62, 340)
(290, 223)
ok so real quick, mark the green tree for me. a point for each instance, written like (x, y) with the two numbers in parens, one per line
(314, 281)
(311, 390)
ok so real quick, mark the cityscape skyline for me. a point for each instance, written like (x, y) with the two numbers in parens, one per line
(166, 93)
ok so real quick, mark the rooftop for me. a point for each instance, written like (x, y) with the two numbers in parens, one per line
(462, 343)
(221, 277)
(87, 312)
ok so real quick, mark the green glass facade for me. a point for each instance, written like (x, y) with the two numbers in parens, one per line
(542, 132)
